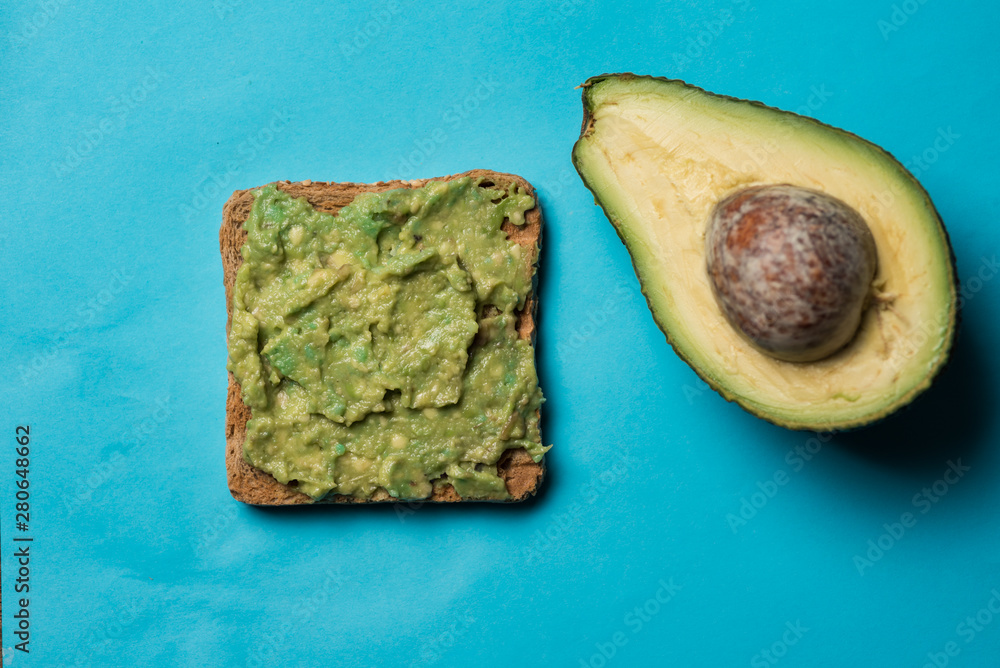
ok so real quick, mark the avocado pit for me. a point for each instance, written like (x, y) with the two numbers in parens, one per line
(791, 268)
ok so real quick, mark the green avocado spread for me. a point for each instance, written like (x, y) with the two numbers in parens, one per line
(377, 347)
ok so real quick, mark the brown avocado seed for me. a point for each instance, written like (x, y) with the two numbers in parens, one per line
(791, 268)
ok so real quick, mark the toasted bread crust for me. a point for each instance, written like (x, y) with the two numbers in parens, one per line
(520, 473)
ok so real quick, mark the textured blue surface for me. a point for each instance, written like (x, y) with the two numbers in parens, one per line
(125, 126)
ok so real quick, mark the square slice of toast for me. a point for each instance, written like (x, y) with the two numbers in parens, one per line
(521, 474)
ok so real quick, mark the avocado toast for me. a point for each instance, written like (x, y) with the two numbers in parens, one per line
(384, 353)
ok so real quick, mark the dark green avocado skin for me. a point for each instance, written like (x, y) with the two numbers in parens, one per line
(585, 127)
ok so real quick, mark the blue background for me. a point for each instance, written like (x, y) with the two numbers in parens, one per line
(125, 126)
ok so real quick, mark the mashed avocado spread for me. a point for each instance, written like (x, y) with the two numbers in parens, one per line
(377, 348)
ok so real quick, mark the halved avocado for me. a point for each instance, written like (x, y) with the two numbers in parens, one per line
(659, 155)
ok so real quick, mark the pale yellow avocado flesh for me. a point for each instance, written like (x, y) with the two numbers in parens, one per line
(660, 154)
